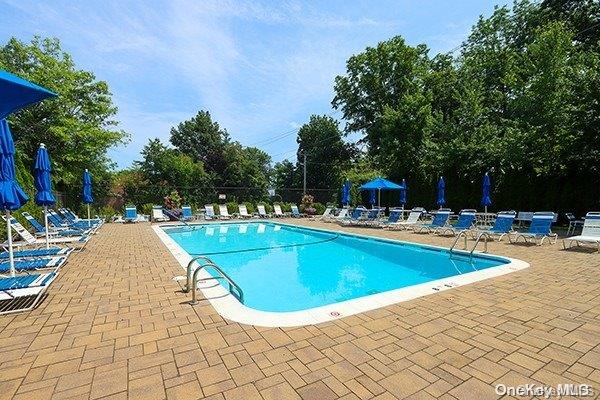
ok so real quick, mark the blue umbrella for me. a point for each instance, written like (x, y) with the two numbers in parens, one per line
(12, 197)
(43, 185)
(86, 195)
(346, 193)
(403, 193)
(15, 93)
(441, 187)
(380, 184)
(486, 200)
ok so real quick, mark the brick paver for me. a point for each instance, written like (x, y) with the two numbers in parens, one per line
(115, 325)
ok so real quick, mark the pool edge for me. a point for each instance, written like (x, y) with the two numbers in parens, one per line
(229, 307)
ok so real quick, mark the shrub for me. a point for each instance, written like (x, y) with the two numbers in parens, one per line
(146, 209)
(232, 207)
(319, 208)
(250, 207)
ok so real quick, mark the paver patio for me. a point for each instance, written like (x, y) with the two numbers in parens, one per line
(116, 326)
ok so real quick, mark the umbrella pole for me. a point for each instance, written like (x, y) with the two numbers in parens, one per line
(46, 225)
(10, 246)
(89, 221)
(379, 198)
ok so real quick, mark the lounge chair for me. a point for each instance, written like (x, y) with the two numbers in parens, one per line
(277, 211)
(393, 218)
(466, 219)
(35, 253)
(358, 214)
(372, 218)
(158, 215)
(60, 224)
(131, 214)
(589, 234)
(574, 223)
(411, 221)
(243, 211)
(209, 212)
(223, 212)
(186, 213)
(326, 213)
(40, 230)
(30, 240)
(14, 291)
(74, 218)
(296, 213)
(502, 226)
(541, 222)
(343, 214)
(68, 223)
(261, 212)
(33, 264)
(439, 221)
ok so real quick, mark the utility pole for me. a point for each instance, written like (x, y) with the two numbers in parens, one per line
(304, 165)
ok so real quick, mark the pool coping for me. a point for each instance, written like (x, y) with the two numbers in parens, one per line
(228, 306)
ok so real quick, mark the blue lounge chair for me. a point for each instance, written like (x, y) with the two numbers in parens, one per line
(357, 214)
(186, 213)
(131, 214)
(466, 219)
(34, 253)
(41, 231)
(372, 217)
(502, 226)
(541, 223)
(15, 290)
(296, 213)
(60, 223)
(439, 220)
(74, 218)
(393, 218)
(33, 264)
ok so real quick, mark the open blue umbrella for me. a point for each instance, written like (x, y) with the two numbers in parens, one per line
(86, 195)
(43, 185)
(346, 193)
(15, 93)
(380, 184)
(486, 200)
(441, 196)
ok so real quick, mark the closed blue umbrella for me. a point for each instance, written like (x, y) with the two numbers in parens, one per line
(43, 185)
(403, 193)
(86, 195)
(15, 93)
(441, 196)
(346, 193)
(12, 197)
(372, 197)
(486, 200)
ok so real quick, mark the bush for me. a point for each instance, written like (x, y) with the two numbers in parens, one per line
(106, 212)
(319, 208)
(250, 207)
(232, 207)
(146, 209)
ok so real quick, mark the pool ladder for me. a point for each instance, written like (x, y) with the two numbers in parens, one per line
(192, 279)
(464, 234)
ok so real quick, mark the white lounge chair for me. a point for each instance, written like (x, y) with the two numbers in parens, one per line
(411, 221)
(261, 212)
(326, 213)
(209, 212)
(277, 211)
(23, 293)
(223, 212)
(157, 214)
(243, 211)
(30, 240)
(343, 214)
(589, 234)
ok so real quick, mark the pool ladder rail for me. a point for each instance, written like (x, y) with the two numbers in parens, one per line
(192, 279)
(464, 234)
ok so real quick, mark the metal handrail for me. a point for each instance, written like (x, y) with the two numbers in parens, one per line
(482, 234)
(188, 274)
(214, 266)
(460, 234)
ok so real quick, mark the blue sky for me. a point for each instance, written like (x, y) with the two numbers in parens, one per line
(260, 67)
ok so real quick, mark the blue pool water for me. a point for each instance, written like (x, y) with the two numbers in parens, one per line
(287, 268)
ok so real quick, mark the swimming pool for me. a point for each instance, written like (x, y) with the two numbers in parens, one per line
(287, 269)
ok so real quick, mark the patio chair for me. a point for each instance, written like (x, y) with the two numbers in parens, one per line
(503, 225)
(466, 219)
(261, 211)
(296, 213)
(243, 211)
(34, 253)
(277, 211)
(40, 230)
(326, 213)
(74, 218)
(343, 214)
(439, 221)
(393, 218)
(60, 224)
(33, 264)
(411, 221)
(23, 293)
(574, 223)
(131, 214)
(223, 212)
(209, 212)
(589, 234)
(186, 213)
(541, 223)
(358, 213)
(30, 240)
(158, 215)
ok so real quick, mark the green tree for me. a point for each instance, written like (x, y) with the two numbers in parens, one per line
(78, 127)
